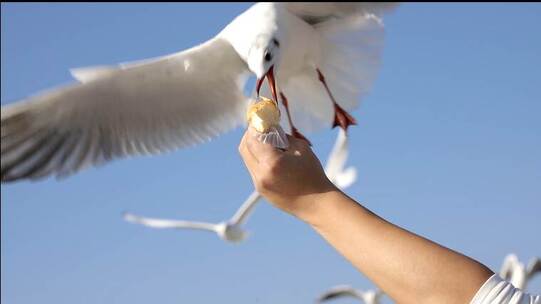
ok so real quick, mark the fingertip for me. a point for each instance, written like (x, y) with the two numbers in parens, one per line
(251, 132)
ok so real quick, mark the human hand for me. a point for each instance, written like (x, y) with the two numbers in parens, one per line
(291, 179)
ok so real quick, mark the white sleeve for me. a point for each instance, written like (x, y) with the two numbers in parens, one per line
(498, 291)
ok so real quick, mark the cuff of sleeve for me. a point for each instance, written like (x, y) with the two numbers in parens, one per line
(499, 291)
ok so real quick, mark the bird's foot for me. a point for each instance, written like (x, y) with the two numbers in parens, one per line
(342, 118)
(298, 135)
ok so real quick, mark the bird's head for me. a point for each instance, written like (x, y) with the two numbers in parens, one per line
(263, 57)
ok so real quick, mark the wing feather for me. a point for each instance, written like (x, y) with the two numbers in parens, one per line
(339, 291)
(534, 267)
(169, 224)
(317, 13)
(335, 167)
(141, 108)
(246, 208)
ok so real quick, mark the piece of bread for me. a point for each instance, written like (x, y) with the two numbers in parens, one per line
(263, 115)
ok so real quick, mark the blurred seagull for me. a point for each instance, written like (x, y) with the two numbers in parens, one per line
(515, 272)
(322, 56)
(334, 168)
(367, 297)
(230, 230)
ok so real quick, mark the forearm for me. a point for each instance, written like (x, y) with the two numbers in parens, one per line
(409, 268)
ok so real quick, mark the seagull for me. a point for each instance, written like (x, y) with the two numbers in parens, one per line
(231, 230)
(367, 297)
(323, 56)
(517, 273)
(334, 168)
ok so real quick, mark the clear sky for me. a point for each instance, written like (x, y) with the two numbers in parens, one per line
(448, 145)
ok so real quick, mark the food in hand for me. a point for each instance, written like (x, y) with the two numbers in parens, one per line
(264, 117)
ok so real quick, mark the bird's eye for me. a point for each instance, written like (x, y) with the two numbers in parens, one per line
(268, 56)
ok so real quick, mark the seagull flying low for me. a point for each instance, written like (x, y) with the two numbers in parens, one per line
(231, 230)
(367, 297)
(322, 56)
(517, 273)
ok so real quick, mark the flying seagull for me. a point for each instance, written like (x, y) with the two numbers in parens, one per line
(322, 56)
(517, 273)
(231, 230)
(367, 297)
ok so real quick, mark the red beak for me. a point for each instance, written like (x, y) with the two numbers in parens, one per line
(272, 84)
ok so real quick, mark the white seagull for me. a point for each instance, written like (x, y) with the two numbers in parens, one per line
(231, 230)
(517, 273)
(367, 297)
(322, 56)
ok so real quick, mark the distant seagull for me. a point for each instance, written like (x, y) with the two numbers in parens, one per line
(367, 297)
(336, 162)
(515, 272)
(323, 56)
(230, 231)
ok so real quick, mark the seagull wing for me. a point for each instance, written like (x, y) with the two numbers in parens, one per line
(339, 291)
(534, 266)
(351, 42)
(246, 208)
(346, 178)
(165, 224)
(337, 159)
(317, 13)
(338, 156)
(142, 108)
(507, 269)
(379, 293)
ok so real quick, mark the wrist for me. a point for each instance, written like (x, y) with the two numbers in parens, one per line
(314, 205)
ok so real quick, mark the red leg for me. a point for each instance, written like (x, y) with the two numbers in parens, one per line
(341, 117)
(294, 130)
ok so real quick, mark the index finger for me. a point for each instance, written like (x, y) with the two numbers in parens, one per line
(248, 158)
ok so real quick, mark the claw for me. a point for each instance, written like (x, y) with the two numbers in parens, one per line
(342, 118)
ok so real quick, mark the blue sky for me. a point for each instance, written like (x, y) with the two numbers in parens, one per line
(447, 145)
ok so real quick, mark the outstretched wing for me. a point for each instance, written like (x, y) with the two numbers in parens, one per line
(141, 108)
(317, 13)
(534, 266)
(509, 263)
(336, 162)
(165, 224)
(351, 41)
(337, 292)
(246, 208)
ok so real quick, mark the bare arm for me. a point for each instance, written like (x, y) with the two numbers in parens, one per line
(409, 268)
